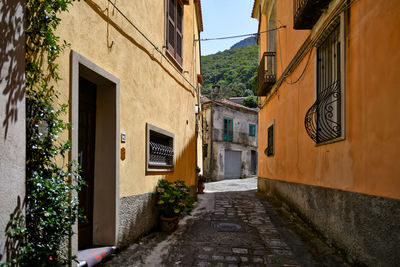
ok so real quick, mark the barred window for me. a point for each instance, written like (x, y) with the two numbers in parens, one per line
(324, 120)
(160, 149)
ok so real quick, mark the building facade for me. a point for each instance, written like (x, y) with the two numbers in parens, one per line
(229, 140)
(329, 143)
(131, 76)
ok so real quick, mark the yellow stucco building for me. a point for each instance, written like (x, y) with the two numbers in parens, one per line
(131, 75)
(328, 130)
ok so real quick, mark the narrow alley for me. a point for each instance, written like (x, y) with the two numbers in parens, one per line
(231, 226)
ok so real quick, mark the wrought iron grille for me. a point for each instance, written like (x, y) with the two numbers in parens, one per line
(323, 119)
(160, 154)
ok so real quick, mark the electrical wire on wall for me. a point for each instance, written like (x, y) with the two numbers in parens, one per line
(242, 35)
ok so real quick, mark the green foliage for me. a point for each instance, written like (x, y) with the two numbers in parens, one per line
(234, 70)
(51, 194)
(250, 101)
(173, 199)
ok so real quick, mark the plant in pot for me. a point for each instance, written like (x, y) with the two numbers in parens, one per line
(200, 183)
(172, 200)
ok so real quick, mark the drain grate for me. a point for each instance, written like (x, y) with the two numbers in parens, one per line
(225, 226)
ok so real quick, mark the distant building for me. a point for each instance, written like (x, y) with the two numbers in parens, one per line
(229, 140)
(237, 100)
(328, 124)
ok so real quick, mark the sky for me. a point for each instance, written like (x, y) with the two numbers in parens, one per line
(225, 18)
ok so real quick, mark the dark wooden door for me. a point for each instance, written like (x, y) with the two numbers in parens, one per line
(86, 146)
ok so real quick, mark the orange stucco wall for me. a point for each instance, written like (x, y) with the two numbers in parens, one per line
(368, 159)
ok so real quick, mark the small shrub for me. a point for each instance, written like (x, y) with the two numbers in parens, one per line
(173, 199)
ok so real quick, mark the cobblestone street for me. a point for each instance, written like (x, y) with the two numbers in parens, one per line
(236, 228)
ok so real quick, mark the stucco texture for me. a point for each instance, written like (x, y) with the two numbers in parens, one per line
(366, 161)
(12, 116)
(151, 90)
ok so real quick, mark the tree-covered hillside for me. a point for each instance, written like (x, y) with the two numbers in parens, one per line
(234, 70)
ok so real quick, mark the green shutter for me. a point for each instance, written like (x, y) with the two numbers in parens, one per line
(228, 129)
(252, 130)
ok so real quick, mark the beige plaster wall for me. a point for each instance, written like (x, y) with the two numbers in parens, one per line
(12, 114)
(151, 90)
(367, 160)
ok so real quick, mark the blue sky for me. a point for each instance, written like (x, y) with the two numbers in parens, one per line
(225, 18)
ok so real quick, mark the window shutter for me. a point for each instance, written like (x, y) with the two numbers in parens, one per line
(230, 130)
(270, 148)
(174, 29)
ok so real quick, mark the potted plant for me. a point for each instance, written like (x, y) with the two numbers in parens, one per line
(172, 201)
(200, 183)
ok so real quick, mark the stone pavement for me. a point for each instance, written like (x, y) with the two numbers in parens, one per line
(235, 228)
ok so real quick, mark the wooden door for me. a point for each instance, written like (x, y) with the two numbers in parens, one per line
(86, 153)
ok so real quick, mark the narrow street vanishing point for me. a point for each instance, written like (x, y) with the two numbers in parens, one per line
(232, 226)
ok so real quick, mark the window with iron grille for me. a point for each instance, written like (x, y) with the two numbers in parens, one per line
(174, 29)
(324, 121)
(269, 151)
(160, 149)
(228, 129)
(252, 129)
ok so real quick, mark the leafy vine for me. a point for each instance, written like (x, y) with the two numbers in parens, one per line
(51, 202)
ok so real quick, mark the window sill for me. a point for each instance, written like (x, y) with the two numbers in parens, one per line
(152, 170)
(174, 61)
(339, 139)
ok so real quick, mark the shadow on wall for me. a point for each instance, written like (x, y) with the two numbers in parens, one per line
(12, 59)
(185, 164)
(14, 240)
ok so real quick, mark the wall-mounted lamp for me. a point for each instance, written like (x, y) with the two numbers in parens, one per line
(196, 109)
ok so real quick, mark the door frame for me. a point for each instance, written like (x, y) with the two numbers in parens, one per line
(106, 189)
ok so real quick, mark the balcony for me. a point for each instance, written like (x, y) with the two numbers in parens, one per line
(266, 73)
(307, 12)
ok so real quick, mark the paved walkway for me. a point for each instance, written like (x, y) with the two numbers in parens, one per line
(230, 228)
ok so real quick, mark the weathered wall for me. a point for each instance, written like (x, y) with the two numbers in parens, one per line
(363, 226)
(241, 121)
(218, 158)
(349, 164)
(12, 114)
(207, 131)
(137, 216)
(213, 117)
(348, 189)
(151, 89)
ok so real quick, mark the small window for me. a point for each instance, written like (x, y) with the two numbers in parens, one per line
(174, 29)
(269, 151)
(228, 129)
(160, 149)
(252, 130)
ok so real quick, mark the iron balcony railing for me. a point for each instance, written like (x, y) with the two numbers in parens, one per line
(266, 73)
(323, 121)
(307, 12)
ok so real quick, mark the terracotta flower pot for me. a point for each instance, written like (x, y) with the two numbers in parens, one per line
(169, 224)
(200, 188)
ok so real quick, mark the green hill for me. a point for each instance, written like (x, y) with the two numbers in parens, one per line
(234, 70)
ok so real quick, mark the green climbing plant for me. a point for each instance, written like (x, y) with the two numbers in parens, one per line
(52, 181)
